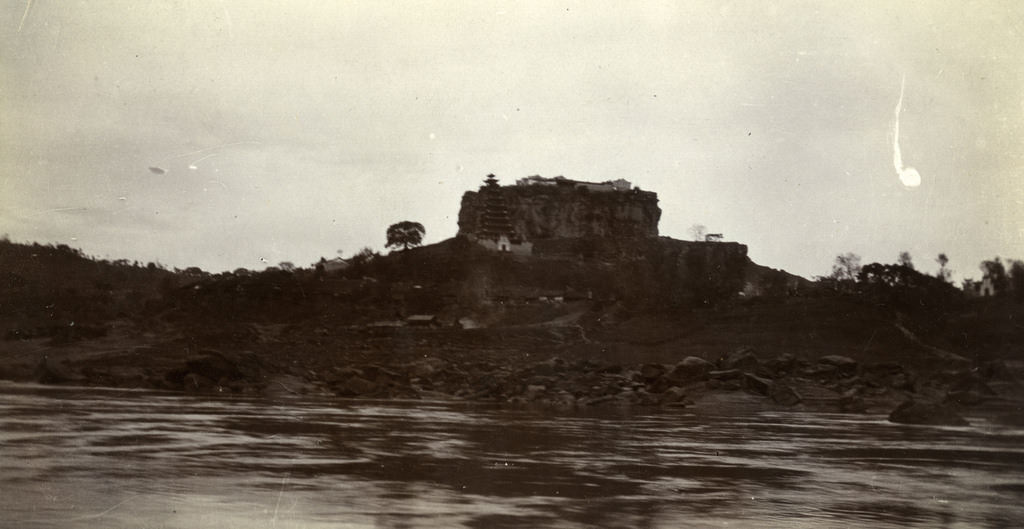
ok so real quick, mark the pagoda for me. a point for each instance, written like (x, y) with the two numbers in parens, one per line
(494, 229)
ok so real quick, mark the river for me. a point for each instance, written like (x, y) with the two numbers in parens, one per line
(85, 457)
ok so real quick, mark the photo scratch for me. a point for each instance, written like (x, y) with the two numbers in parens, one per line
(28, 6)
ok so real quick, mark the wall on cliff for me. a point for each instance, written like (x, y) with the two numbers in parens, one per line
(547, 212)
(669, 273)
(648, 273)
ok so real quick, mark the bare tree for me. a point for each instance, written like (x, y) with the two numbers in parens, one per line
(846, 267)
(944, 273)
(906, 260)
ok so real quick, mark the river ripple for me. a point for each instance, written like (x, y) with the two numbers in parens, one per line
(75, 457)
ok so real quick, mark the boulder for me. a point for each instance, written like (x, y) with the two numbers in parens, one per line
(725, 374)
(845, 366)
(46, 373)
(355, 386)
(783, 364)
(383, 376)
(995, 370)
(966, 398)
(672, 396)
(743, 359)
(912, 412)
(613, 369)
(850, 401)
(691, 368)
(426, 367)
(784, 394)
(966, 380)
(756, 384)
(193, 382)
(650, 372)
(533, 392)
(596, 401)
(549, 367)
(887, 375)
(660, 385)
(563, 399)
(213, 365)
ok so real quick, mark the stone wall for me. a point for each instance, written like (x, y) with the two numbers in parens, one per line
(547, 212)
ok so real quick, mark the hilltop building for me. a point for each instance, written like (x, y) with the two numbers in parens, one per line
(536, 210)
(620, 185)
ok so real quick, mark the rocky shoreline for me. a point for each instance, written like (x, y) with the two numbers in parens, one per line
(831, 383)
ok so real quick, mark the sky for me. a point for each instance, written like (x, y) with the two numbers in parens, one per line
(239, 134)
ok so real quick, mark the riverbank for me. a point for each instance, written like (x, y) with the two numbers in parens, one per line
(567, 366)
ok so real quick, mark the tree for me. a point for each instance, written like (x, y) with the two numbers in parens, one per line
(995, 272)
(846, 267)
(698, 232)
(906, 260)
(1017, 280)
(944, 273)
(362, 260)
(405, 234)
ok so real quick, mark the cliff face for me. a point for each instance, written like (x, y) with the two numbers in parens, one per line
(549, 212)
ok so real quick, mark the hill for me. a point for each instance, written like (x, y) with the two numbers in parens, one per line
(615, 315)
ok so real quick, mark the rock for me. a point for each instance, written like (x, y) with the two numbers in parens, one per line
(756, 384)
(549, 368)
(850, 401)
(672, 396)
(45, 373)
(595, 401)
(973, 382)
(966, 398)
(660, 385)
(531, 381)
(283, 385)
(194, 382)
(533, 392)
(821, 371)
(383, 376)
(648, 399)
(213, 365)
(426, 367)
(783, 364)
(650, 372)
(724, 385)
(629, 398)
(887, 375)
(845, 366)
(355, 386)
(912, 412)
(691, 368)
(725, 374)
(784, 394)
(743, 359)
(995, 370)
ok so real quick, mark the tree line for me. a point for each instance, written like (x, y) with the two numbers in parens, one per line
(999, 278)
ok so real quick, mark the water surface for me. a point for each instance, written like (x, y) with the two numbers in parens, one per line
(76, 457)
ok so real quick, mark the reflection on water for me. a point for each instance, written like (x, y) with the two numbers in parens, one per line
(75, 457)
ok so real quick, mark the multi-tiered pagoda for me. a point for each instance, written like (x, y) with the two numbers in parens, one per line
(495, 230)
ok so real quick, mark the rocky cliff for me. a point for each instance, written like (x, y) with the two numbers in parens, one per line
(550, 212)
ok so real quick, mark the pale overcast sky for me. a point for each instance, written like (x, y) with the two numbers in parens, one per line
(290, 130)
